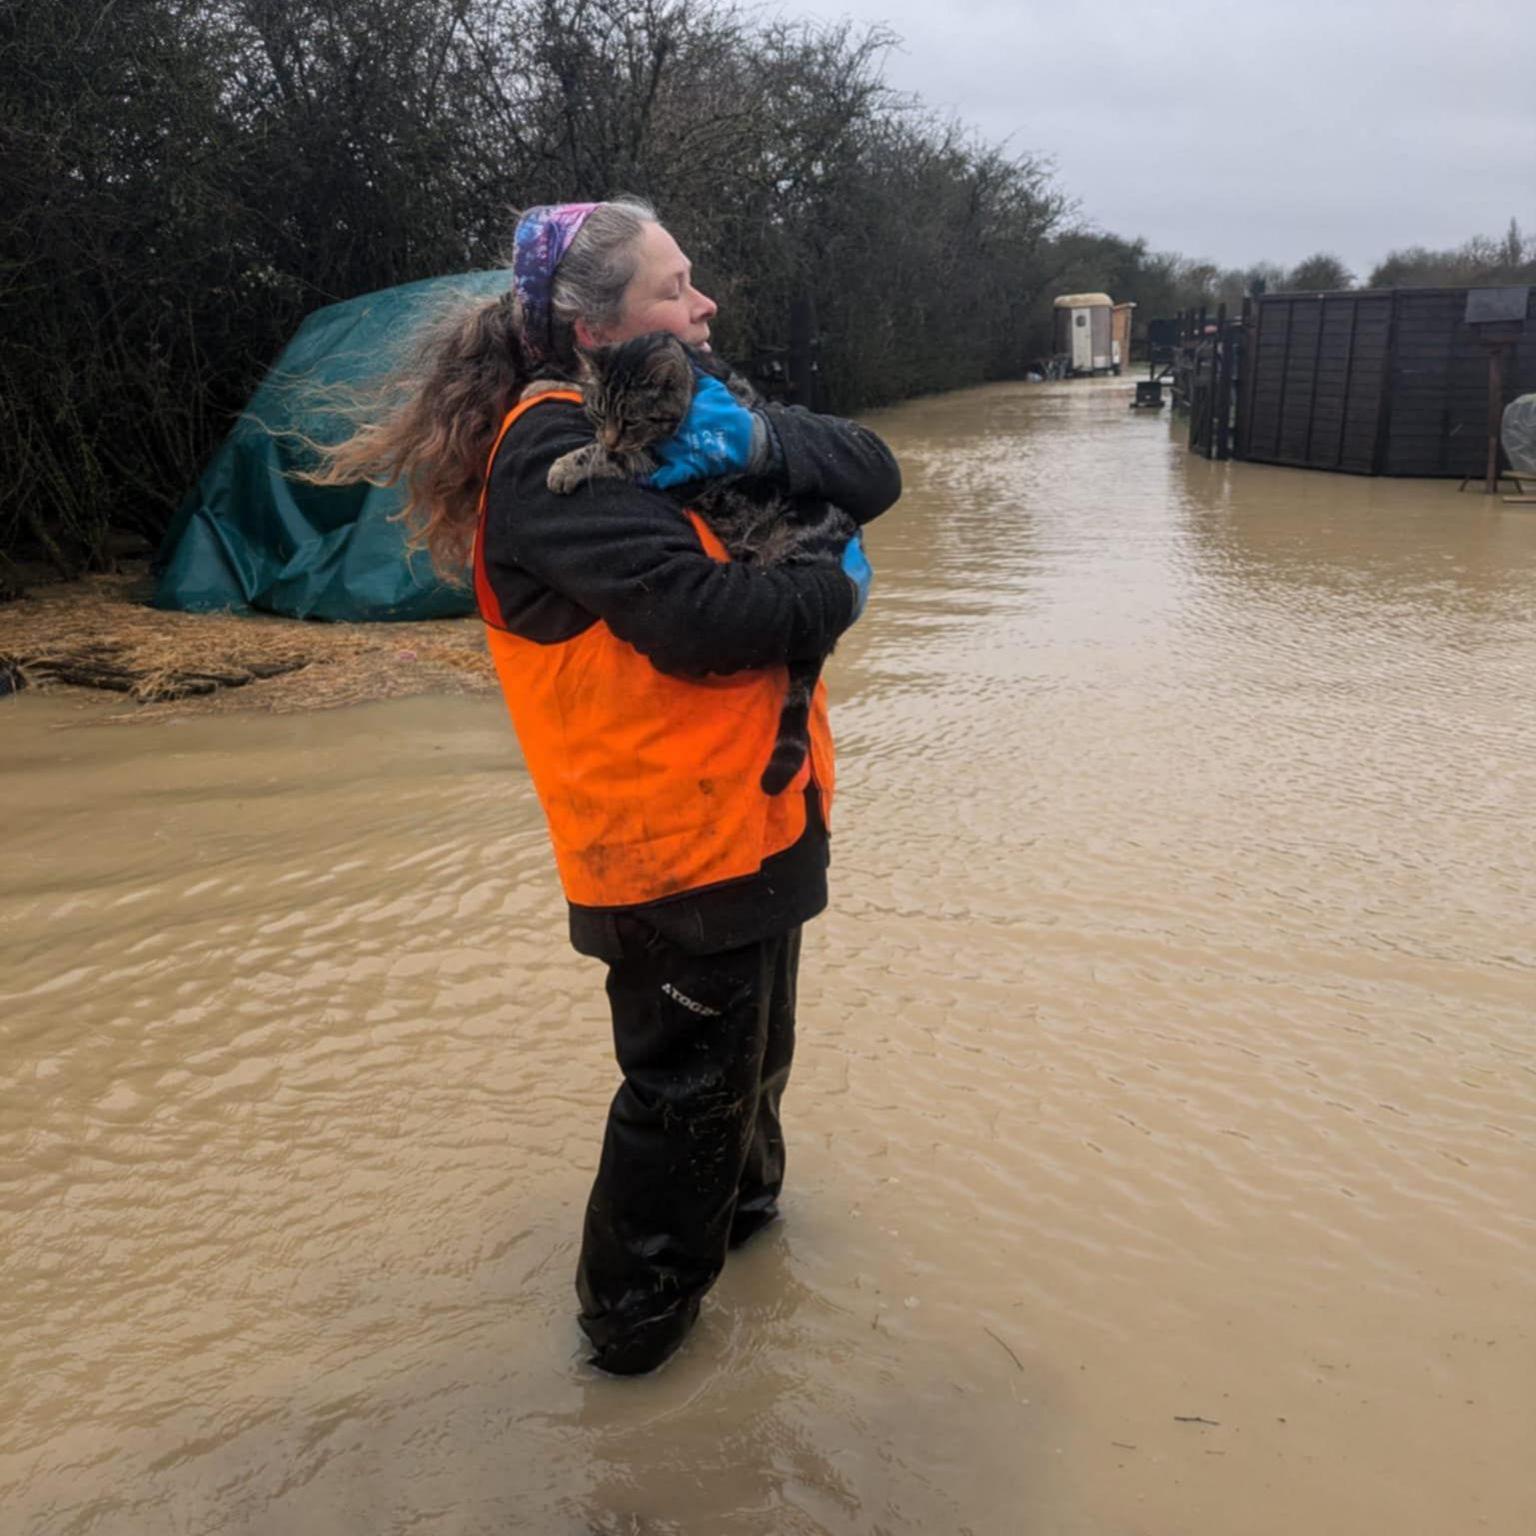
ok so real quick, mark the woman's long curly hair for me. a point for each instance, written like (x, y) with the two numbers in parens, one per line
(430, 426)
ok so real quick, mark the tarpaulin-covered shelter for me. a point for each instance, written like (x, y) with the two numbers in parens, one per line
(248, 536)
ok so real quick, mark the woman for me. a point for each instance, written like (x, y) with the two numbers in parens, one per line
(644, 675)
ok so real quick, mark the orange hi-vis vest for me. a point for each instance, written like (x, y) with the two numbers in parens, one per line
(649, 782)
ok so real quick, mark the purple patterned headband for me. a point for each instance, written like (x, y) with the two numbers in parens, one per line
(542, 238)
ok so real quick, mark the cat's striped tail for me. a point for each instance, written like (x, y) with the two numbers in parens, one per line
(794, 738)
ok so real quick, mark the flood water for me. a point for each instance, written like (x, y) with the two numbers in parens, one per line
(1162, 1137)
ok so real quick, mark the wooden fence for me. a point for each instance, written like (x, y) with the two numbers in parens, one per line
(1378, 382)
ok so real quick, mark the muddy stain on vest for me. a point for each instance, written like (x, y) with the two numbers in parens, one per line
(1160, 1142)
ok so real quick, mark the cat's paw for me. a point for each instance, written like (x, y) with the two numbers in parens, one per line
(568, 472)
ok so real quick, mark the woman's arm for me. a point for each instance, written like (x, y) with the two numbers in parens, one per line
(829, 459)
(625, 554)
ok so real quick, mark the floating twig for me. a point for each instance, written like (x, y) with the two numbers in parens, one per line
(1010, 1353)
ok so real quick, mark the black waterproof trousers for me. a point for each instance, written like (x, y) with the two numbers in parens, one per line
(693, 1156)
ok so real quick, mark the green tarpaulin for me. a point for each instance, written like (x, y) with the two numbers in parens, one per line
(247, 536)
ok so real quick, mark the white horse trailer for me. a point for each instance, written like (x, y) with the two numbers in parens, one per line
(1084, 333)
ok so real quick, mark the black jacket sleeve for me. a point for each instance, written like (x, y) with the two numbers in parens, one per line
(829, 459)
(627, 555)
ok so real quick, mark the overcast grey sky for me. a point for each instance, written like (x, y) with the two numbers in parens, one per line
(1244, 132)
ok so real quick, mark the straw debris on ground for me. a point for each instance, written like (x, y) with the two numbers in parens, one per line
(98, 633)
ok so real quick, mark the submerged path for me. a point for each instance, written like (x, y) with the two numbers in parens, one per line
(1162, 1140)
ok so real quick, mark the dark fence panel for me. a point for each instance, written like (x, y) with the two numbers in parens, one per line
(1319, 361)
(1387, 382)
(1269, 352)
(1371, 342)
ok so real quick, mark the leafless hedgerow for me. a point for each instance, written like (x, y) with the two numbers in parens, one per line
(181, 181)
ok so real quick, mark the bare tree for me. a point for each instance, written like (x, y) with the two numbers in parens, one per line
(182, 181)
(1321, 273)
(1481, 260)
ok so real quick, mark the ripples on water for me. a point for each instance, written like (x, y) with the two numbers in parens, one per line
(1167, 1054)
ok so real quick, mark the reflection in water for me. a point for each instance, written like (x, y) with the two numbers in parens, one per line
(1161, 1138)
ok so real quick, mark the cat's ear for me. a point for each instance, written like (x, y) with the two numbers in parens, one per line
(592, 361)
(669, 364)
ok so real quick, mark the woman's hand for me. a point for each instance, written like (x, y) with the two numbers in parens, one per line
(857, 569)
(719, 436)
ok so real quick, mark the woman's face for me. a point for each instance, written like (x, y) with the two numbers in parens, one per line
(661, 295)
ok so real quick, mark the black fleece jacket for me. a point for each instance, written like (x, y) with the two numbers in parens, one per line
(619, 552)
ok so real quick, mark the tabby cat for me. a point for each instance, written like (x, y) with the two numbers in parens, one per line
(637, 394)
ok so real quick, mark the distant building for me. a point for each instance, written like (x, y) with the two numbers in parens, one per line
(1085, 333)
(1120, 334)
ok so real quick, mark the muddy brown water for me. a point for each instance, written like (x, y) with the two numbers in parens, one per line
(1163, 1156)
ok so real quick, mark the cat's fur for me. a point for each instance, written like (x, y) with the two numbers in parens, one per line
(637, 394)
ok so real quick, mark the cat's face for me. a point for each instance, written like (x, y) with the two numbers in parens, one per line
(638, 392)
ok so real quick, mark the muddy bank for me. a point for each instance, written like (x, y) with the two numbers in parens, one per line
(95, 638)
